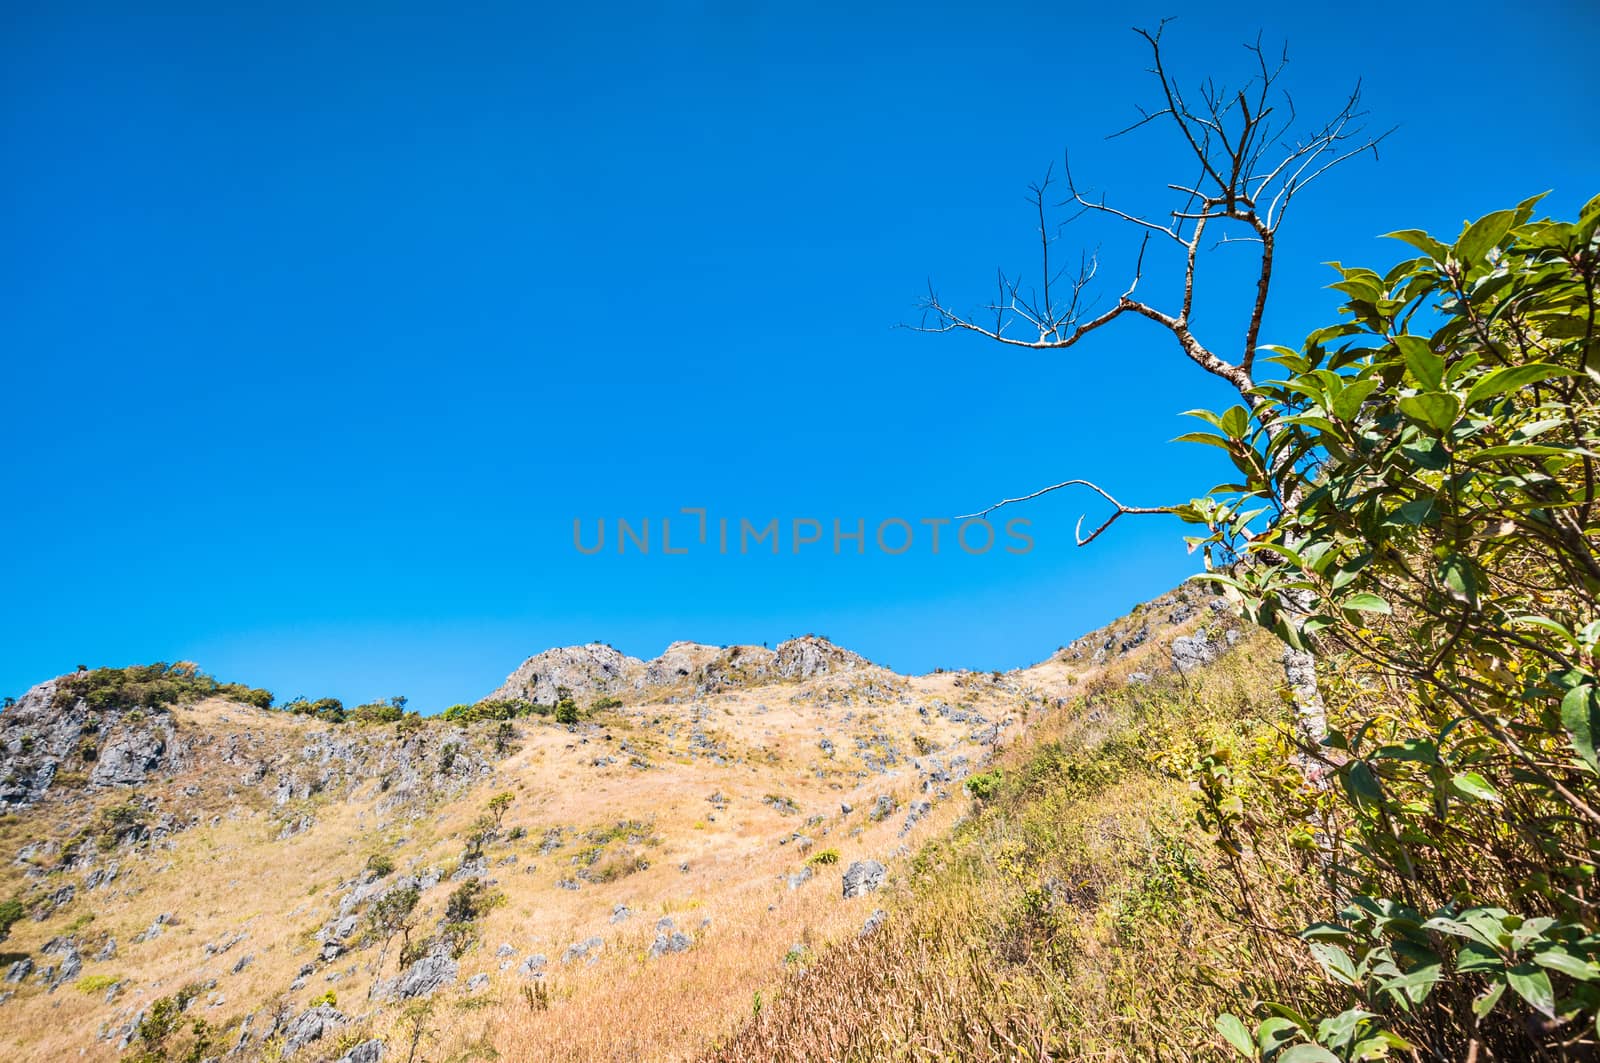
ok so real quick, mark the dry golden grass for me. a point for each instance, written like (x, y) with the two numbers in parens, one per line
(1065, 922)
(719, 872)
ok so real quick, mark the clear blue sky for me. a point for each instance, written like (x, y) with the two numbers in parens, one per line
(322, 322)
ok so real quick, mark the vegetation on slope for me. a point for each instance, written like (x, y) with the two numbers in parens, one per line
(151, 686)
(1202, 880)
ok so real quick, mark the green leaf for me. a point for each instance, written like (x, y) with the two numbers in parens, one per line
(1418, 511)
(1235, 1033)
(1483, 235)
(1422, 242)
(1568, 964)
(1361, 784)
(1477, 958)
(1324, 931)
(1421, 361)
(1366, 602)
(1348, 403)
(1551, 626)
(1485, 1003)
(1339, 1029)
(1458, 577)
(1532, 983)
(1525, 450)
(1335, 960)
(1289, 1013)
(1272, 1034)
(1512, 378)
(1308, 1054)
(1236, 421)
(1204, 437)
(1427, 452)
(1436, 409)
(1578, 717)
(1471, 784)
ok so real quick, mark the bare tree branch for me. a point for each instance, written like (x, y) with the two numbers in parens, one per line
(1228, 134)
(1119, 511)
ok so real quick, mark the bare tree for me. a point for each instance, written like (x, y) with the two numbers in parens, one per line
(1251, 157)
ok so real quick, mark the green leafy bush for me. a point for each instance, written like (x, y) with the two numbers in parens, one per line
(95, 983)
(492, 710)
(150, 686)
(985, 784)
(1416, 504)
(328, 710)
(11, 912)
(566, 707)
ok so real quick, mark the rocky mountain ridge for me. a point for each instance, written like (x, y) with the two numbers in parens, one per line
(597, 670)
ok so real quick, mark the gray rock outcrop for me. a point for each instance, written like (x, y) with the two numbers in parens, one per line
(863, 876)
(588, 671)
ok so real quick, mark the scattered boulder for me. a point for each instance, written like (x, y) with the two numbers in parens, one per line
(863, 876)
(365, 1052)
(919, 809)
(784, 806)
(874, 921)
(670, 941)
(424, 977)
(1191, 651)
(311, 1025)
(154, 929)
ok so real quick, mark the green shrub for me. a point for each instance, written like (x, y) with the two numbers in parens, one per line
(1416, 504)
(328, 710)
(490, 710)
(10, 913)
(95, 983)
(150, 686)
(376, 712)
(984, 785)
(823, 857)
(566, 707)
(261, 699)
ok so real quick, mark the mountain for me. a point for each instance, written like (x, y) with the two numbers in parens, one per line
(597, 670)
(193, 875)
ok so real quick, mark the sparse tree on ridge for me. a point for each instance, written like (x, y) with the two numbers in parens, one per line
(1246, 157)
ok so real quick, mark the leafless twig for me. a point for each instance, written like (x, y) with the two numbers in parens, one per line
(1228, 134)
(1119, 511)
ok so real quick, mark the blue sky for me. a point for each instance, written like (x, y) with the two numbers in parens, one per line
(323, 322)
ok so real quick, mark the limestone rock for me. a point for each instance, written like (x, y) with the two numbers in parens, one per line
(863, 876)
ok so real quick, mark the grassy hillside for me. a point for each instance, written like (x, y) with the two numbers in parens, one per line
(1075, 914)
(195, 875)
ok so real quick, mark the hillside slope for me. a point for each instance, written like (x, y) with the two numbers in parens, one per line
(209, 878)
